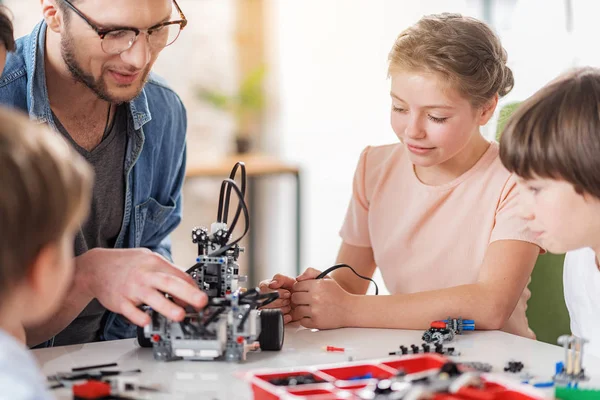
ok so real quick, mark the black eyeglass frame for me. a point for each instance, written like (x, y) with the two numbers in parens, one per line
(103, 32)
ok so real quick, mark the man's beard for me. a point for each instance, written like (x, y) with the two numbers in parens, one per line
(98, 86)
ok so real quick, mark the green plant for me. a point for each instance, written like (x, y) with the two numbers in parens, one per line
(505, 113)
(246, 105)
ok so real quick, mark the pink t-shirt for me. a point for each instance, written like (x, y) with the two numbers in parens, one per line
(433, 237)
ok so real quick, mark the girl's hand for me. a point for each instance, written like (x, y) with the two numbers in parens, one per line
(321, 303)
(283, 285)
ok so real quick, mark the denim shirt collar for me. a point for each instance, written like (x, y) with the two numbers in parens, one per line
(38, 102)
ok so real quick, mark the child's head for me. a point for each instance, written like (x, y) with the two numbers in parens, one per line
(45, 195)
(447, 72)
(7, 40)
(552, 142)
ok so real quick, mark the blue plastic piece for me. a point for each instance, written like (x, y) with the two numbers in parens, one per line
(543, 384)
(560, 366)
(365, 376)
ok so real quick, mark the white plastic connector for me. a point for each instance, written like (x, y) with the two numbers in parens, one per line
(215, 226)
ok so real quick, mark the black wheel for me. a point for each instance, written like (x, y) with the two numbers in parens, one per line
(271, 330)
(143, 340)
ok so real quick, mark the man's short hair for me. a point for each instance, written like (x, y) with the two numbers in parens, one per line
(555, 133)
(45, 190)
(6, 29)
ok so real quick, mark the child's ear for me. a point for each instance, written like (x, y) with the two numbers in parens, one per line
(487, 110)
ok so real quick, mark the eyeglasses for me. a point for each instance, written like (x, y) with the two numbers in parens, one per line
(118, 40)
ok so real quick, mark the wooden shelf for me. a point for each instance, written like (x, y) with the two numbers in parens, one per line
(256, 165)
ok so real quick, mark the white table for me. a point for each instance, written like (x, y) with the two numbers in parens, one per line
(219, 380)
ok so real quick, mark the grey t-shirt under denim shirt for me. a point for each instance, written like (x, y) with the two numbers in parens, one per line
(105, 219)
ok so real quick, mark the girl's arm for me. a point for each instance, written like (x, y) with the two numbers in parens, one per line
(490, 301)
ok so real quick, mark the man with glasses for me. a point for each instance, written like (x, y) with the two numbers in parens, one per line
(85, 71)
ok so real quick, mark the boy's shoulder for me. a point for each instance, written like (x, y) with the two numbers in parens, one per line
(20, 377)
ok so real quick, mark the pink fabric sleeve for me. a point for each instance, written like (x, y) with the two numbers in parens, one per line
(509, 225)
(355, 229)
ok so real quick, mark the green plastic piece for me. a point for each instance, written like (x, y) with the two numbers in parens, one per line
(563, 393)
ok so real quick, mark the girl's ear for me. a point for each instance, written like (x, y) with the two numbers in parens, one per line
(487, 110)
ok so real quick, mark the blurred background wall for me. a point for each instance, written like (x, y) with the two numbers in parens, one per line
(327, 95)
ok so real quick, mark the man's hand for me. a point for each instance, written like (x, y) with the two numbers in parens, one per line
(123, 279)
(321, 303)
(283, 285)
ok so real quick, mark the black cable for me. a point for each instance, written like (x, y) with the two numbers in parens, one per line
(237, 190)
(337, 266)
(220, 206)
(232, 175)
(248, 292)
(269, 299)
(184, 329)
(214, 316)
(254, 297)
(244, 318)
(192, 268)
(223, 207)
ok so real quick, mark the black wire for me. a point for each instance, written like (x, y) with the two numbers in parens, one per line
(248, 292)
(337, 266)
(223, 208)
(220, 206)
(269, 298)
(244, 318)
(214, 316)
(192, 268)
(254, 297)
(232, 175)
(237, 190)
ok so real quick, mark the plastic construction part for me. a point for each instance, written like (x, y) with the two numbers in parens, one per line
(233, 322)
(424, 349)
(445, 330)
(92, 390)
(94, 367)
(576, 394)
(513, 366)
(361, 377)
(543, 384)
(91, 375)
(334, 349)
(458, 325)
(571, 370)
(438, 335)
(295, 380)
(477, 366)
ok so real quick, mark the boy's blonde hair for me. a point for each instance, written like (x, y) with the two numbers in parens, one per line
(556, 132)
(461, 49)
(45, 188)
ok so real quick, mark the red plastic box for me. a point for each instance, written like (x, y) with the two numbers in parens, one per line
(347, 380)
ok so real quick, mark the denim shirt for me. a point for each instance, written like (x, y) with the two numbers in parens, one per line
(154, 160)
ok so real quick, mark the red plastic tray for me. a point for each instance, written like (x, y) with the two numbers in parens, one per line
(346, 380)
